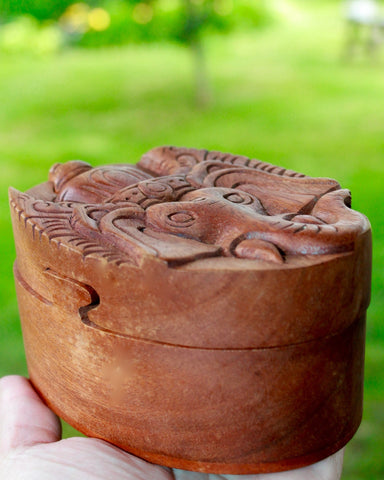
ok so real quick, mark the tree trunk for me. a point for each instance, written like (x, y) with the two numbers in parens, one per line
(202, 87)
(195, 22)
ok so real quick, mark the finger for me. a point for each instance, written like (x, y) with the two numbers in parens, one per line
(24, 419)
(79, 458)
(328, 469)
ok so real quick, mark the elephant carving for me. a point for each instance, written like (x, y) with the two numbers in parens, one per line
(180, 205)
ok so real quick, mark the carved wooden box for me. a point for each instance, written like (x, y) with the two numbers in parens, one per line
(201, 310)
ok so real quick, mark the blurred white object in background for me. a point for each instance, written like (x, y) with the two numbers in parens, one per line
(365, 27)
(362, 11)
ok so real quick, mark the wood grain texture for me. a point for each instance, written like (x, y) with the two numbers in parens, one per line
(202, 310)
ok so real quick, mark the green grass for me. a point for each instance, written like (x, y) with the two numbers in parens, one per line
(281, 95)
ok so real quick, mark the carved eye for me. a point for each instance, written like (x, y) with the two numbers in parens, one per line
(181, 219)
(237, 197)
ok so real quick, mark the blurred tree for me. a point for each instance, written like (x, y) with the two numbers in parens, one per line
(196, 18)
(40, 9)
(92, 23)
(193, 19)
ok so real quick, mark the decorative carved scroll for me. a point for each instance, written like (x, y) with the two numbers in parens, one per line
(180, 205)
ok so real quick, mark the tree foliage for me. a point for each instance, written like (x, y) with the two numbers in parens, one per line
(40, 9)
(94, 23)
(144, 20)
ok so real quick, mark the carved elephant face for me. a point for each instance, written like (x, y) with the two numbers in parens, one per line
(183, 204)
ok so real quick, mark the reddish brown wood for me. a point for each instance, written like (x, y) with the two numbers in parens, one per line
(202, 310)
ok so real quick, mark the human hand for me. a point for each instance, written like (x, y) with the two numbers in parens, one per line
(31, 449)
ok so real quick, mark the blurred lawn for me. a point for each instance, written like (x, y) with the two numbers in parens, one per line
(281, 95)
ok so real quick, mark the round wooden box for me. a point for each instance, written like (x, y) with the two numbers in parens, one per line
(201, 310)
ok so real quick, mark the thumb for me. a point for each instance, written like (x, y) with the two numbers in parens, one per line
(24, 419)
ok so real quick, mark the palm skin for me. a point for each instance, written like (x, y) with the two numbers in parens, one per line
(31, 449)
